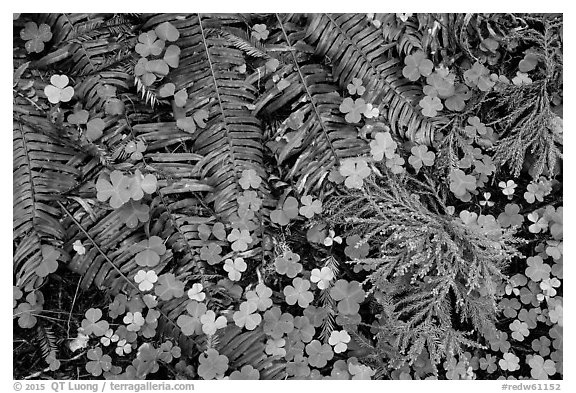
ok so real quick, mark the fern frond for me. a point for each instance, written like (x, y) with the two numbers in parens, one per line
(358, 50)
(41, 173)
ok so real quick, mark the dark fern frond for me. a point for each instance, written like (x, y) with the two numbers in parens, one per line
(358, 50)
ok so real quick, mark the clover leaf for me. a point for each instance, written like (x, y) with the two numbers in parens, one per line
(26, 314)
(260, 296)
(148, 251)
(190, 324)
(167, 31)
(145, 279)
(421, 156)
(430, 106)
(537, 270)
(212, 364)
(339, 340)
(288, 211)
(540, 368)
(235, 268)
(417, 65)
(382, 145)
(355, 248)
(353, 109)
(250, 179)
(509, 362)
(318, 354)
(521, 79)
(195, 293)
(35, 36)
(276, 323)
(211, 253)
(349, 296)
(134, 321)
(479, 76)
(133, 212)
(168, 287)
(94, 129)
(92, 323)
(49, 263)
(355, 170)
(519, 330)
(371, 112)
(249, 200)
(210, 323)
(529, 62)
(247, 372)
(355, 87)
(298, 293)
(288, 264)
(310, 206)
(440, 84)
(322, 277)
(508, 187)
(510, 216)
(98, 362)
(117, 189)
(461, 183)
(247, 317)
(135, 149)
(260, 32)
(167, 90)
(58, 89)
(148, 44)
(79, 117)
(240, 239)
(457, 102)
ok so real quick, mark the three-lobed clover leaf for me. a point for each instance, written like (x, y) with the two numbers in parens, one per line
(537, 270)
(190, 324)
(310, 206)
(92, 323)
(417, 65)
(355, 87)
(356, 249)
(318, 354)
(98, 362)
(247, 372)
(210, 324)
(276, 323)
(212, 364)
(148, 251)
(35, 36)
(249, 200)
(134, 321)
(382, 146)
(195, 293)
(288, 211)
(250, 179)
(49, 263)
(519, 330)
(247, 317)
(167, 31)
(540, 368)
(479, 76)
(94, 129)
(322, 277)
(133, 213)
(169, 287)
(211, 253)
(288, 264)
(299, 293)
(421, 156)
(79, 117)
(260, 32)
(240, 239)
(117, 189)
(355, 170)
(339, 340)
(140, 184)
(235, 268)
(461, 183)
(135, 149)
(349, 295)
(145, 279)
(510, 216)
(148, 44)
(430, 106)
(260, 296)
(509, 362)
(58, 89)
(353, 109)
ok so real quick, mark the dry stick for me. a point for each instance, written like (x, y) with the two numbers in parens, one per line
(72, 308)
(112, 263)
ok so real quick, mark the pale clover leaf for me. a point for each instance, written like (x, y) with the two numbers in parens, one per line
(461, 183)
(355, 170)
(430, 106)
(58, 89)
(421, 156)
(117, 189)
(35, 36)
(169, 287)
(382, 145)
(353, 109)
(417, 65)
(310, 206)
